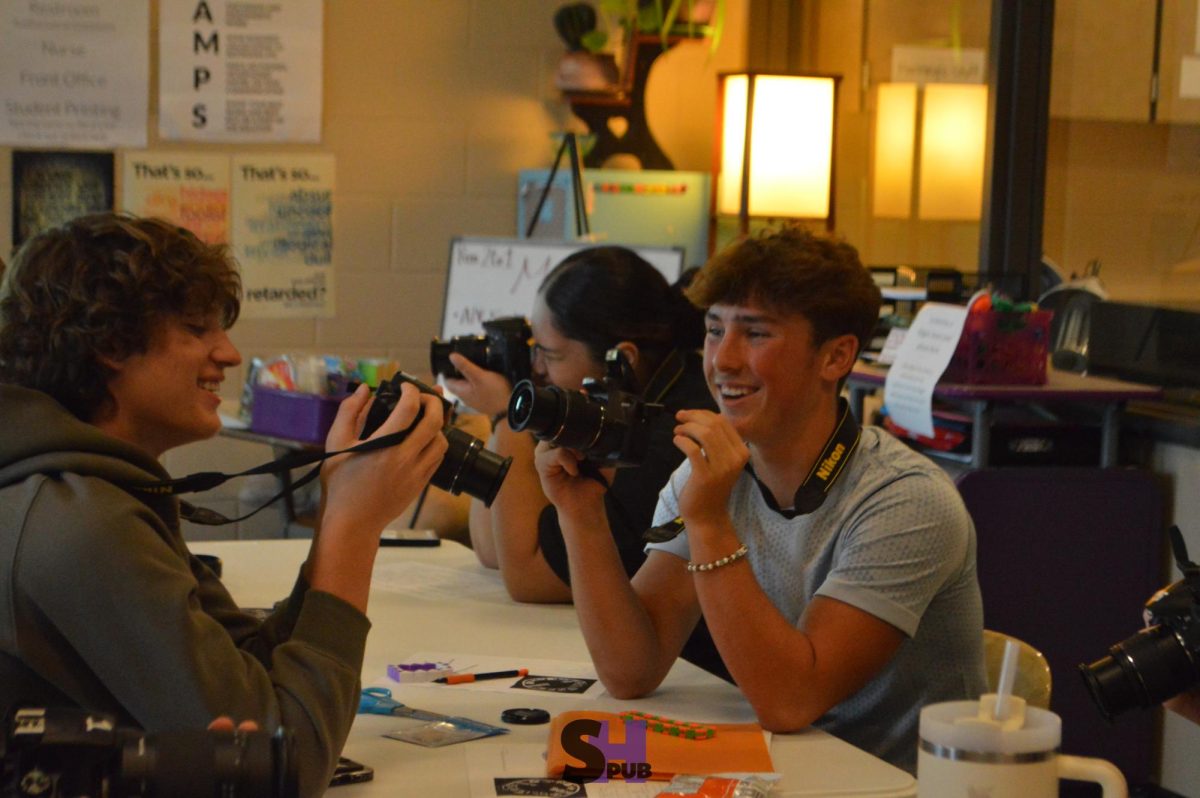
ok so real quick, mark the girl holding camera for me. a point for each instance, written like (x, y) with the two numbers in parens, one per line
(595, 300)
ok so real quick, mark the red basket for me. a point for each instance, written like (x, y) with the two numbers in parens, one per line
(1002, 348)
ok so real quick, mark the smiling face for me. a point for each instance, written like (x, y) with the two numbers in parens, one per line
(168, 395)
(768, 375)
(559, 360)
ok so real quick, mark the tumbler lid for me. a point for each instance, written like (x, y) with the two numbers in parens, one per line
(955, 725)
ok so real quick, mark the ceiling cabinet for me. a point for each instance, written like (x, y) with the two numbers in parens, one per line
(1178, 44)
(1104, 62)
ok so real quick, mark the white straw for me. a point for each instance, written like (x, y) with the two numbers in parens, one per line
(1008, 674)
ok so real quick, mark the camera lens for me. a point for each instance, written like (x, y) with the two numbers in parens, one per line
(186, 763)
(473, 347)
(1141, 671)
(567, 418)
(469, 468)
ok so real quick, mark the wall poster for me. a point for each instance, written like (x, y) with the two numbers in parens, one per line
(50, 188)
(283, 234)
(74, 73)
(240, 70)
(190, 189)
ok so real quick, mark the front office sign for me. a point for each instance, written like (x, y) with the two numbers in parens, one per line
(74, 73)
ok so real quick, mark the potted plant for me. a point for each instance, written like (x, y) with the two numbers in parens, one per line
(695, 18)
(585, 66)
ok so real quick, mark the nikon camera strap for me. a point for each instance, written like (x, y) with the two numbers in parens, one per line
(816, 486)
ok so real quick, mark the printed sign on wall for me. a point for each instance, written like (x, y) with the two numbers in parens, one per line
(283, 234)
(74, 73)
(187, 188)
(239, 70)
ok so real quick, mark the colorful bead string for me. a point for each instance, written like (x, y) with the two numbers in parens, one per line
(674, 728)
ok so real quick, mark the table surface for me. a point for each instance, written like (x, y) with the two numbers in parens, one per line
(1060, 385)
(440, 600)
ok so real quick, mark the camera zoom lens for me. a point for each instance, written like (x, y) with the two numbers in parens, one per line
(1141, 671)
(565, 418)
(187, 763)
(469, 468)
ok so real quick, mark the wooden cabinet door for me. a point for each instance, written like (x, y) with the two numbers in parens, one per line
(1103, 59)
(1178, 42)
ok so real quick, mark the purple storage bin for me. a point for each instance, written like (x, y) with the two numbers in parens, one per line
(287, 414)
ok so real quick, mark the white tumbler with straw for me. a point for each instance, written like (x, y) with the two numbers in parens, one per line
(1000, 748)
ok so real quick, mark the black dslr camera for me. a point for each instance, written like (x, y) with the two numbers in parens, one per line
(503, 347)
(467, 466)
(72, 753)
(1163, 659)
(605, 421)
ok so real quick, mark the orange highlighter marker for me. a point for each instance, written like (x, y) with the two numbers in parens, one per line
(464, 678)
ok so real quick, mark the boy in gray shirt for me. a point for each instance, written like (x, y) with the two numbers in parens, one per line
(834, 567)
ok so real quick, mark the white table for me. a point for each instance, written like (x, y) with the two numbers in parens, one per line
(440, 599)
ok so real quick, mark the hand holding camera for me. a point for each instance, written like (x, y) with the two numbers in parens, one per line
(369, 490)
(465, 466)
(484, 391)
(481, 369)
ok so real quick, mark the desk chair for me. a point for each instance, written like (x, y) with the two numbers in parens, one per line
(1033, 672)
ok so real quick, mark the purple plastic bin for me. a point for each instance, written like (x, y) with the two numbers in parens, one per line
(287, 414)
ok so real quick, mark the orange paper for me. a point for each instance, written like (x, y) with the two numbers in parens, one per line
(736, 748)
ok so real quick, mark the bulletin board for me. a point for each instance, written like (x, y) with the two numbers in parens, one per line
(493, 277)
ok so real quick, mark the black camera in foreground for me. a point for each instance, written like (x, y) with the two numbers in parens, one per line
(605, 421)
(467, 467)
(503, 347)
(1163, 659)
(71, 753)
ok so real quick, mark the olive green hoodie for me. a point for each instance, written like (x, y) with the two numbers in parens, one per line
(103, 607)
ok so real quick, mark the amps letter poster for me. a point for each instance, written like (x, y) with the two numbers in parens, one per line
(188, 189)
(240, 70)
(283, 234)
(74, 73)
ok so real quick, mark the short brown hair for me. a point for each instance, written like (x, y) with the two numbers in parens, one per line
(96, 287)
(793, 271)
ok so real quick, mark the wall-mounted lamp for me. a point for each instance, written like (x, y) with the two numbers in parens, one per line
(774, 146)
(949, 145)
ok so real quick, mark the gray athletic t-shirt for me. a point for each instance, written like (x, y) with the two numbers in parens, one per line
(893, 539)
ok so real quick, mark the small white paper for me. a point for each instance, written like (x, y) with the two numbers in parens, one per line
(1189, 76)
(923, 356)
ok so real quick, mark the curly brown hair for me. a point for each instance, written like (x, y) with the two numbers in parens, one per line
(96, 287)
(790, 270)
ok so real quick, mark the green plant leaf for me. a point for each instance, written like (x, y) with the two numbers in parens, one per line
(594, 40)
(672, 13)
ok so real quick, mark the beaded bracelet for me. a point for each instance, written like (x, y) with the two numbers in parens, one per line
(726, 560)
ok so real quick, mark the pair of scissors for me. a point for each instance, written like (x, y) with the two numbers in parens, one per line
(379, 701)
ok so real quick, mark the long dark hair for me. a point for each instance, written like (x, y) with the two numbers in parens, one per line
(604, 295)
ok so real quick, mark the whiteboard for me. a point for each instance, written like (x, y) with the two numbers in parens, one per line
(493, 277)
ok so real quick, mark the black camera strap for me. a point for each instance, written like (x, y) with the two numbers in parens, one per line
(811, 493)
(207, 480)
(825, 471)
